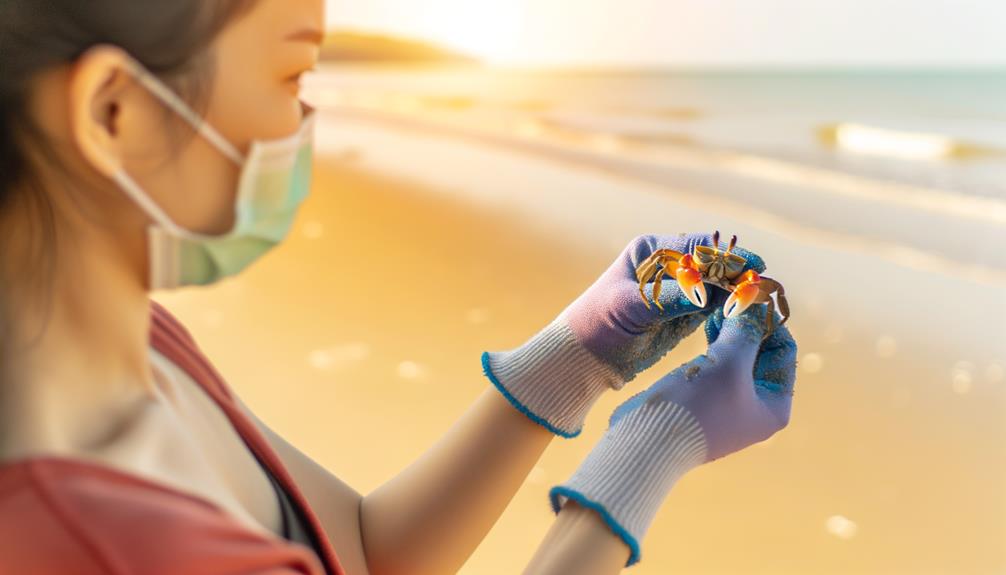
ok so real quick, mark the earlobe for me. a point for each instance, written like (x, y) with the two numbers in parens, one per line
(97, 83)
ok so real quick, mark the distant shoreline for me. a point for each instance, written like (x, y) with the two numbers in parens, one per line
(356, 47)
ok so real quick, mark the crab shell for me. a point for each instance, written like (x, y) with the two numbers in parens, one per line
(718, 267)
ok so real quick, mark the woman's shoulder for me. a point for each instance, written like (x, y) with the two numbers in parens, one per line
(164, 320)
(60, 515)
(170, 338)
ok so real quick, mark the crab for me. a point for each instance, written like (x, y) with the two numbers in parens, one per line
(720, 268)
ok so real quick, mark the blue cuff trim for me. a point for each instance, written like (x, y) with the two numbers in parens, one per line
(553, 496)
(520, 406)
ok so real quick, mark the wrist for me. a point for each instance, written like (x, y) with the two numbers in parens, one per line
(627, 476)
(578, 542)
(551, 378)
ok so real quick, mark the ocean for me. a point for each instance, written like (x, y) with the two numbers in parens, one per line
(911, 162)
(775, 114)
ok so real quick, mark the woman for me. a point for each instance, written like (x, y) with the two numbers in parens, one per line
(151, 145)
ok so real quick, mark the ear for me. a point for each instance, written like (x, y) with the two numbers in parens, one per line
(100, 99)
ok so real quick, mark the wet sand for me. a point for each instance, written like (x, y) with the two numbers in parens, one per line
(359, 340)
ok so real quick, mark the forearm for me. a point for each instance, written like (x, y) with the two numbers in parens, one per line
(431, 517)
(579, 542)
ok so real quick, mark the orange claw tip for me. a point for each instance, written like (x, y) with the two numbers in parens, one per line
(740, 299)
(691, 284)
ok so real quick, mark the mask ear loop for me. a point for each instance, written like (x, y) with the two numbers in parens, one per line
(164, 254)
(155, 85)
(127, 183)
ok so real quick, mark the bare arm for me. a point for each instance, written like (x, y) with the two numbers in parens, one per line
(336, 504)
(430, 517)
(579, 542)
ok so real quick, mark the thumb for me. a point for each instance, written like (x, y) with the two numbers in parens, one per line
(737, 339)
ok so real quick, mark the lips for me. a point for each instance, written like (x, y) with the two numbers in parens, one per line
(293, 84)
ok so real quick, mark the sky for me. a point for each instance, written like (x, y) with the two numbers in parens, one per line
(799, 33)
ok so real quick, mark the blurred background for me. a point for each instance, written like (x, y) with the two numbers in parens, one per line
(478, 165)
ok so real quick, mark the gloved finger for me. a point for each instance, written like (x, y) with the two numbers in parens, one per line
(652, 345)
(737, 340)
(775, 372)
(659, 388)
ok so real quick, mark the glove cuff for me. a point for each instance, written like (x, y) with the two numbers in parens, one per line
(627, 476)
(551, 378)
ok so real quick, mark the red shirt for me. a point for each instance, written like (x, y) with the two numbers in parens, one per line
(66, 516)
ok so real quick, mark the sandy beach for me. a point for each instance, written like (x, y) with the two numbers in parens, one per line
(419, 248)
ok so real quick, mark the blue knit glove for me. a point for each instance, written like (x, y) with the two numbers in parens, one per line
(737, 394)
(603, 338)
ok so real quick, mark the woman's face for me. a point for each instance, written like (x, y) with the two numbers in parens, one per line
(113, 121)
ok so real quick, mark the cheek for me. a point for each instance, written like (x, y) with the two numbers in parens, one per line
(200, 189)
(211, 208)
(250, 100)
(205, 180)
(263, 109)
(211, 178)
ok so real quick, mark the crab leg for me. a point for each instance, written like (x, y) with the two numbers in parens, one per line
(645, 271)
(768, 287)
(648, 269)
(780, 295)
(769, 318)
(657, 286)
(643, 278)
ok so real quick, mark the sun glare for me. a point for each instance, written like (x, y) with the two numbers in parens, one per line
(486, 30)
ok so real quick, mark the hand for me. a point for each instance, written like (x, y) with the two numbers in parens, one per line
(738, 393)
(604, 338)
(611, 320)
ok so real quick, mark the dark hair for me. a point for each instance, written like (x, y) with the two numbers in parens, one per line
(171, 38)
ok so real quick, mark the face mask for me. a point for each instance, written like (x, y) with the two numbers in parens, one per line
(275, 179)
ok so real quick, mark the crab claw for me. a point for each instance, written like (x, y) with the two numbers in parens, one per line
(744, 294)
(691, 284)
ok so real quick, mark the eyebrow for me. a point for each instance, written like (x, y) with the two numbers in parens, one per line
(308, 35)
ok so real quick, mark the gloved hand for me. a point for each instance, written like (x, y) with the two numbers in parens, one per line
(603, 338)
(733, 396)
